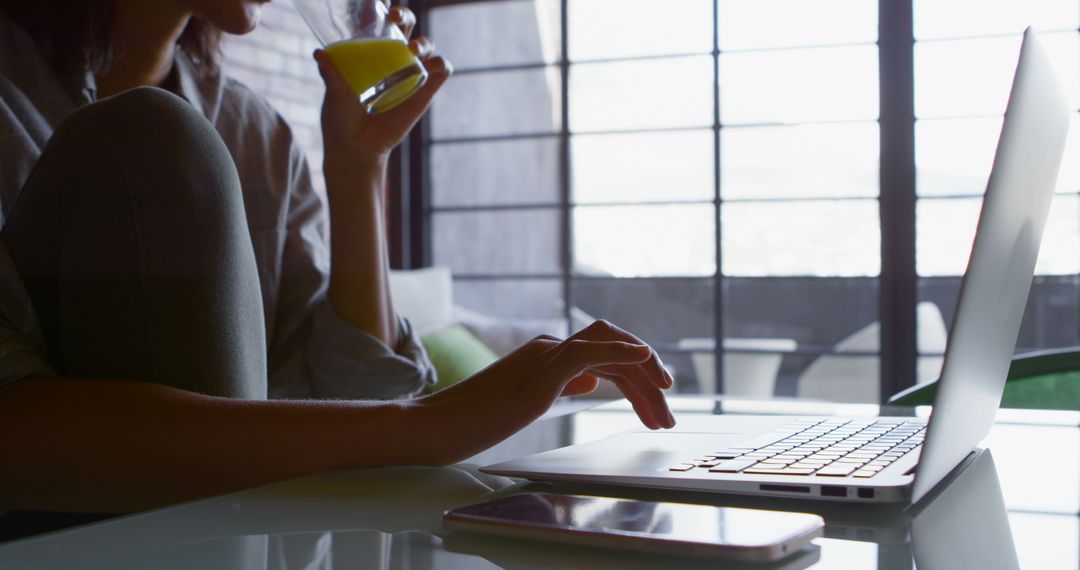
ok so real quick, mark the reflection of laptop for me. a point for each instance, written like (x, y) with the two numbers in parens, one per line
(962, 523)
(874, 459)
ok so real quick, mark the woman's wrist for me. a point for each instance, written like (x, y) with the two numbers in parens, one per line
(355, 176)
(423, 435)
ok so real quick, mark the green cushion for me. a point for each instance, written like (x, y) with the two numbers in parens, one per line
(1055, 391)
(1059, 391)
(456, 354)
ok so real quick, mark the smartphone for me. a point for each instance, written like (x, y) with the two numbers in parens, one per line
(646, 526)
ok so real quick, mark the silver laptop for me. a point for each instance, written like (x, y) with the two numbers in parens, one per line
(880, 459)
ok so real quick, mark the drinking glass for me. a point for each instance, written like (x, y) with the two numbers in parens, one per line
(371, 54)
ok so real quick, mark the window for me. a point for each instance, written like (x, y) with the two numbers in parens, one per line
(958, 116)
(719, 175)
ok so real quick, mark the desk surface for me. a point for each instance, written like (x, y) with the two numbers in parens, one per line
(391, 518)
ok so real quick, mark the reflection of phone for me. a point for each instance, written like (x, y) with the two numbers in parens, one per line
(676, 528)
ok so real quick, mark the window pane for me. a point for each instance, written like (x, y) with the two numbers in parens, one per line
(495, 173)
(792, 86)
(512, 298)
(660, 311)
(663, 312)
(800, 161)
(833, 322)
(662, 93)
(982, 88)
(486, 104)
(601, 29)
(954, 156)
(945, 230)
(1051, 318)
(827, 238)
(486, 34)
(954, 18)
(755, 24)
(641, 241)
(643, 167)
(499, 242)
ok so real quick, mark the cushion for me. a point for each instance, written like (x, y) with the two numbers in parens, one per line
(456, 354)
(504, 336)
(425, 297)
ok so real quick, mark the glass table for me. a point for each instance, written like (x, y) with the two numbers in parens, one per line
(1014, 507)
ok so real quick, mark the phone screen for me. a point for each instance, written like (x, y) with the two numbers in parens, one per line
(680, 522)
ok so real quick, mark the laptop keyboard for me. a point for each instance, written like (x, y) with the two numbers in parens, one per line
(827, 448)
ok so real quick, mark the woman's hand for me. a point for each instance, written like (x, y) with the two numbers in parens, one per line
(479, 412)
(350, 136)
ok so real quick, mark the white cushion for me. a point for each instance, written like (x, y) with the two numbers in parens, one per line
(425, 297)
(503, 336)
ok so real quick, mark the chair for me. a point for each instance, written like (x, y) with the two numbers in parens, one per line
(1048, 380)
(750, 364)
(855, 378)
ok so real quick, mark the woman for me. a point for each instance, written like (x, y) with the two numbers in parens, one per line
(164, 231)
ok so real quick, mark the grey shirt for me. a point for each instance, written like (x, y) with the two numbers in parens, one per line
(312, 351)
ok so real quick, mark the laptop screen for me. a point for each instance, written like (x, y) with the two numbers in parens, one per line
(998, 278)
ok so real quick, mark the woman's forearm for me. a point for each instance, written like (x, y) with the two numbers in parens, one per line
(116, 446)
(359, 266)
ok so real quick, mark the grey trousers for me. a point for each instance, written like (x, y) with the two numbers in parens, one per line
(131, 238)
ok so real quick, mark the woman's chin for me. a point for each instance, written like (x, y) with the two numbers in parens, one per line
(238, 22)
(252, 15)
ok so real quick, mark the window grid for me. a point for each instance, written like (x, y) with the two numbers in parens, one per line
(896, 197)
(568, 204)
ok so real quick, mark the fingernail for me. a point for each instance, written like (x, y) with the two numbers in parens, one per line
(671, 420)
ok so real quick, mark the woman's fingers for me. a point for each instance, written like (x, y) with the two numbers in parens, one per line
(575, 356)
(439, 70)
(604, 330)
(404, 18)
(422, 46)
(584, 384)
(336, 86)
(645, 397)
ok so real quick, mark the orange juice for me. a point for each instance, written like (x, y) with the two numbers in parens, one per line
(368, 62)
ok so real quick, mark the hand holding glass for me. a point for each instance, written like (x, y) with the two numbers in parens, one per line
(372, 54)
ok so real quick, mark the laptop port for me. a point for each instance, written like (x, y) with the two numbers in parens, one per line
(786, 488)
(865, 493)
(833, 491)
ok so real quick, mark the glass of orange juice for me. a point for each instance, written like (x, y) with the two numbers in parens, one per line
(372, 54)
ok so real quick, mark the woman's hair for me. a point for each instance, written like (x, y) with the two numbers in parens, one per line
(77, 35)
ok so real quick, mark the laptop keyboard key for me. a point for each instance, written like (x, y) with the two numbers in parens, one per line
(733, 466)
(763, 440)
(835, 471)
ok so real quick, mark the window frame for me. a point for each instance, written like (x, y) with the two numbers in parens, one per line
(898, 280)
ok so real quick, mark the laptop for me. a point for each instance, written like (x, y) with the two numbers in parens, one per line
(878, 459)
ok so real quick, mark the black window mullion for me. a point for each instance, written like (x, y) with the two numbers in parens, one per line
(411, 219)
(564, 160)
(718, 278)
(898, 290)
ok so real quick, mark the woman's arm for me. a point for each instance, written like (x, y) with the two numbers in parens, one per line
(356, 153)
(115, 446)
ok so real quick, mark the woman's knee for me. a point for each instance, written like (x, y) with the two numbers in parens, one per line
(143, 115)
(166, 154)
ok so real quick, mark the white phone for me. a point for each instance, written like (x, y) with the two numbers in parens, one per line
(648, 526)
